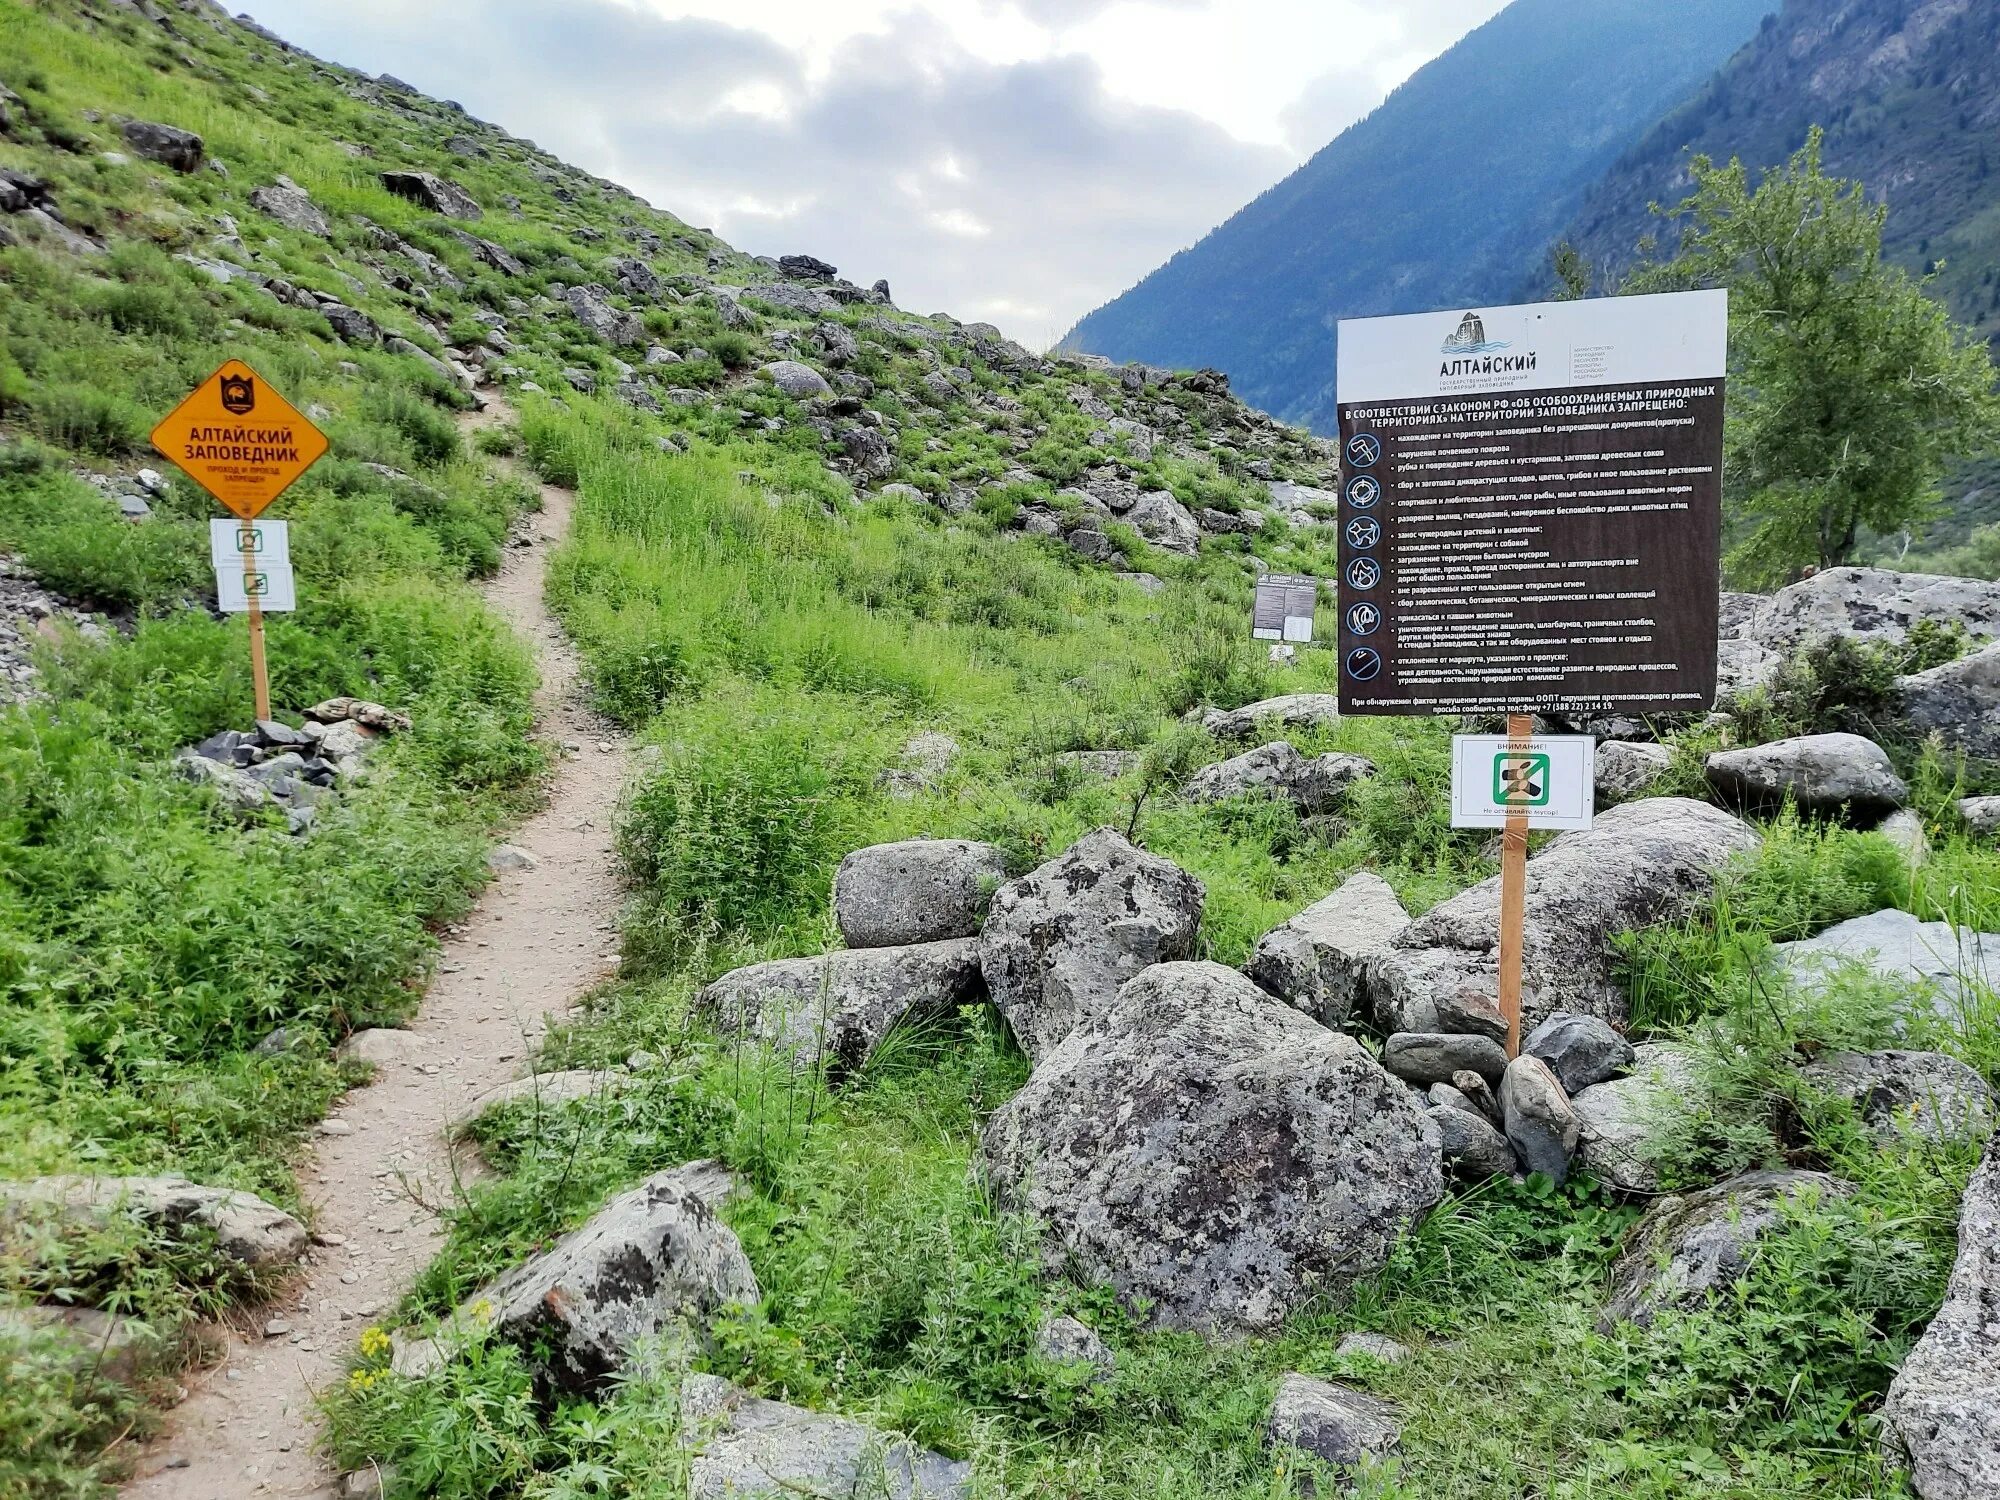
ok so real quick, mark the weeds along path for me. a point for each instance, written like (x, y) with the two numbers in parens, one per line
(536, 941)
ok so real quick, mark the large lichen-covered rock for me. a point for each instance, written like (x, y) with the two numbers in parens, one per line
(428, 190)
(1618, 1120)
(1313, 785)
(1959, 702)
(1926, 1094)
(1334, 1425)
(653, 1262)
(1291, 711)
(1215, 1152)
(1823, 773)
(835, 1010)
(1639, 864)
(1870, 604)
(1060, 941)
(1941, 1421)
(1685, 1249)
(248, 1230)
(1319, 960)
(745, 1447)
(915, 891)
(1935, 958)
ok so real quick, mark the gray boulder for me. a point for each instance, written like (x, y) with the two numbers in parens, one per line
(1210, 1149)
(1060, 941)
(1981, 814)
(1165, 522)
(430, 191)
(915, 891)
(1639, 864)
(654, 1262)
(1580, 1050)
(1473, 1147)
(1686, 1248)
(1870, 604)
(1626, 769)
(1066, 1341)
(1105, 765)
(1934, 957)
(592, 308)
(1823, 772)
(167, 144)
(1541, 1126)
(1959, 702)
(1617, 1120)
(1319, 961)
(1331, 1424)
(1925, 1094)
(288, 203)
(746, 1447)
(1278, 770)
(248, 1230)
(1437, 1057)
(799, 381)
(835, 1010)
(1941, 1420)
(1274, 715)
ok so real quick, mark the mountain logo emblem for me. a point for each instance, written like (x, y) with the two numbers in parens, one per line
(1471, 338)
(239, 394)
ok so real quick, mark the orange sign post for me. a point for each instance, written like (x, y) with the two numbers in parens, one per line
(245, 444)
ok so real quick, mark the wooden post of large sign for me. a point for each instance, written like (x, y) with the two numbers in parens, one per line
(1514, 891)
(260, 677)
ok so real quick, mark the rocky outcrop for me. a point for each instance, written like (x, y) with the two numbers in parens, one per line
(168, 145)
(746, 1447)
(1981, 814)
(1685, 1249)
(653, 1262)
(915, 891)
(1213, 1151)
(593, 309)
(1273, 716)
(1941, 1420)
(799, 381)
(1625, 770)
(1896, 1093)
(1641, 863)
(251, 1232)
(290, 204)
(1933, 957)
(1060, 941)
(1822, 773)
(427, 190)
(1329, 1424)
(1165, 522)
(1959, 702)
(1320, 960)
(1870, 604)
(1313, 785)
(833, 1011)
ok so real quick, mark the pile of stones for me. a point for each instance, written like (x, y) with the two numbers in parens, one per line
(274, 766)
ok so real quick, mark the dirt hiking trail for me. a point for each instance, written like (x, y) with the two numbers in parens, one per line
(536, 941)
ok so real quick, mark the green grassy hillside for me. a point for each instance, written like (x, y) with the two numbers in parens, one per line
(779, 597)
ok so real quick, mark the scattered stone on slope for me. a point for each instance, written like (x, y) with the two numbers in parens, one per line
(592, 308)
(1926, 1094)
(1904, 828)
(1959, 702)
(86, 1341)
(1981, 814)
(1941, 1420)
(1165, 522)
(1376, 1346)
(746, 1447)
(1639, 864)
(290, 204)
(653, 1261)
(1066, 1341)
(1824, 773)
(1687, 1247)
(543, 1090)
(1278, 770)
(1933, 956)
(1580, 1050)
(1109, 765)
(922, 765)
(1334, 1425)
(799, 381)
(834, 1010)
(915, 891)
(168, 145)
(1319, 961)
(30, 615)
(1626, 770)
(1437, 1057)
(430, 191)
(1210, 1149)
(1059, 941)
(1616, 1119)
(1540, 1125)
(247, 1229)
(1472, 1144)
(1273, 716)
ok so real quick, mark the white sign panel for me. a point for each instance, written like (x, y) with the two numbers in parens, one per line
(1552, 779)
(1284, 606)
(270, 583)
(270, 542)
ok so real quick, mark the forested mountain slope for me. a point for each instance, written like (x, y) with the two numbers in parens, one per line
(1438, 197)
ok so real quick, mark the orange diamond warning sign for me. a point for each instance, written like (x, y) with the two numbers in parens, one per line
(239, 439)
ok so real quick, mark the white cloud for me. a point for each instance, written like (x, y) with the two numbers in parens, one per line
(1013, 160)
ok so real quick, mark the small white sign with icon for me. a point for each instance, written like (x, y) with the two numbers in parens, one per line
(1549, 777)
(267, 576)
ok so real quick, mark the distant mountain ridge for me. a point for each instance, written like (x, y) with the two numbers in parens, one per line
(1440, 196)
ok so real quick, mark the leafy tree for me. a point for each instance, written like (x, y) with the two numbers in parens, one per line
(1851, 388)
(1572, 272)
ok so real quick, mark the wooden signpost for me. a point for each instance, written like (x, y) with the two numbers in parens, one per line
(1531, 504)
(244, 444)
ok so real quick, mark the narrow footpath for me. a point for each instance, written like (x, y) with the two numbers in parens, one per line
(538, 939)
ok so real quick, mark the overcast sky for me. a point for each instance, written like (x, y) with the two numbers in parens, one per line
(1017, 161)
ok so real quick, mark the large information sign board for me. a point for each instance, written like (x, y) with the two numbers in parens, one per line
(1531, 506)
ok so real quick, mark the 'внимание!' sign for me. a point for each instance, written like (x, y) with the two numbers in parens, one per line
(1531, 507)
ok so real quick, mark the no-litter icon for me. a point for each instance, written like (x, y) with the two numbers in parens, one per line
(1521, 779)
